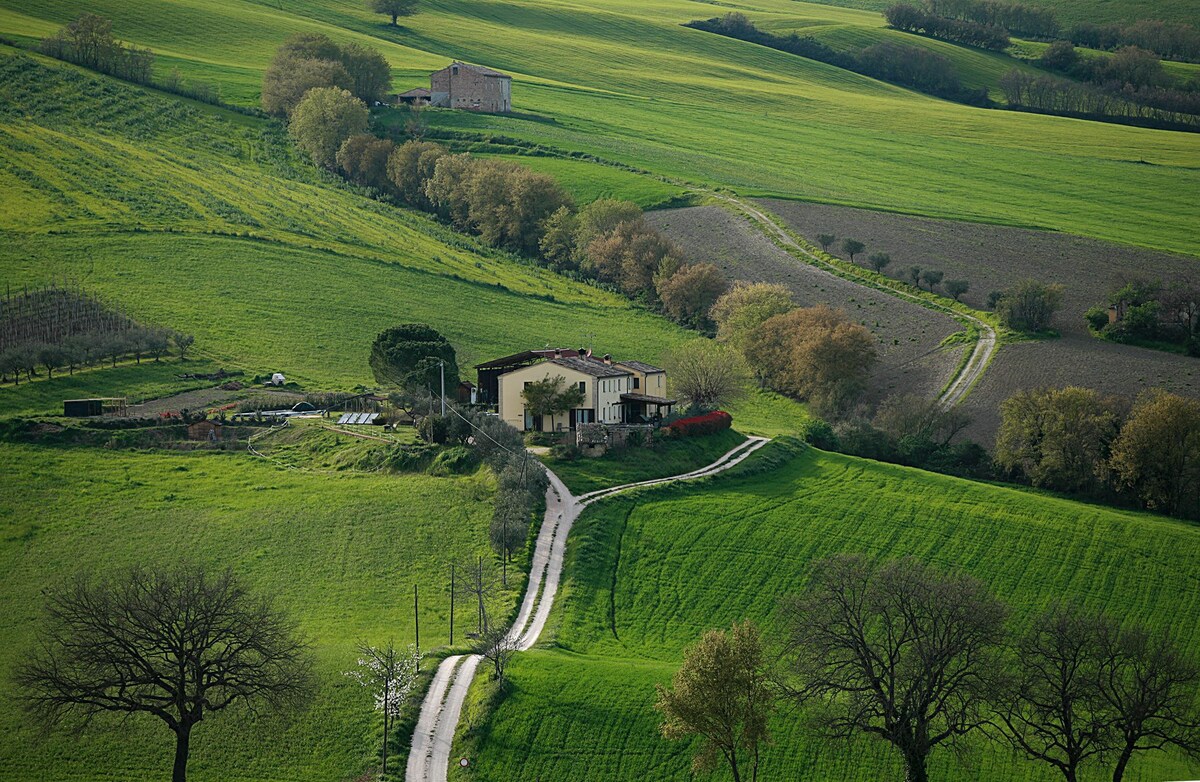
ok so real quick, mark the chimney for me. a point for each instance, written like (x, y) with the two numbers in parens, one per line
(608, 359)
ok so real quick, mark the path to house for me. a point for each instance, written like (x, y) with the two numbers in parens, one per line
(429, 758)
(985, 345)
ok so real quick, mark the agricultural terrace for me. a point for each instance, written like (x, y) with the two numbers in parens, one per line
(908, 336)
(339, 552)
(995, 258)
(627, 83)
(647, 573)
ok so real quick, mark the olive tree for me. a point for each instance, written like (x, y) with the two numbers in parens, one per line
(852, 247)
(551, 396)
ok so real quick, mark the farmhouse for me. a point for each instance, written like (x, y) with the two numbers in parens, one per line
(613, 393)
(471, 87)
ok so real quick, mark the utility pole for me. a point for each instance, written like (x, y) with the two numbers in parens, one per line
(479, 584)
(442, 370)
(417, 623)
(452, 604)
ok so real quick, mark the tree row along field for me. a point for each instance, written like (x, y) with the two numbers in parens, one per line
(1077, 11)
(627, 83)
(647, 574)
(995, 258)
(340, 553)
(281, 252)
(908, 336)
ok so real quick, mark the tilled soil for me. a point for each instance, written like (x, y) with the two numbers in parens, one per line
(1073, 360)
(989, 257)
(996, 257)
(908, 335)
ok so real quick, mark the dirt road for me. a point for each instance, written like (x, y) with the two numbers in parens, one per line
(981, 353)
(428, 760)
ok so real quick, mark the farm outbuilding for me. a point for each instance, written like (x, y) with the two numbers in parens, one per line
(415, 97)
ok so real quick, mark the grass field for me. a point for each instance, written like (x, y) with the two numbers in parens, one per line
(205, 220)
(671, 457)
(340, 553)
(624, 81)
(1071, 12)
(647, 574)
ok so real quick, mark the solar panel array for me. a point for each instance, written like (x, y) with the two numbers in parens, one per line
(358, 418)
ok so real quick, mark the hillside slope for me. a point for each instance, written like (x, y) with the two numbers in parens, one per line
(625, 81)
(339, 553)
(206, 221)
(647, 574)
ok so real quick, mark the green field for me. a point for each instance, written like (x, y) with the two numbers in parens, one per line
(851, 31)
(205, 220)
(647, 574)
(340, 553)
(625, 82)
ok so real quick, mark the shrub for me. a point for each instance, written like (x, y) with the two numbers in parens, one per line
(1030, 306)
(566, 452)
(1096, 317)
(456, 460)
(433, 429)
(708, 423)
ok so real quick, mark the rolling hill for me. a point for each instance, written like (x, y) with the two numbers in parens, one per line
(646, 574)
(625, 82)
(205, 220)
(340, 553)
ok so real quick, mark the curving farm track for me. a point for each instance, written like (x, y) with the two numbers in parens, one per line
(968, 373)
(429, 758)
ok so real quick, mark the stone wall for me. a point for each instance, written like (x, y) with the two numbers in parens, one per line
(596, 439)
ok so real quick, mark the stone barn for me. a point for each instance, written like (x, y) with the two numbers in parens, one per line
(471, 87)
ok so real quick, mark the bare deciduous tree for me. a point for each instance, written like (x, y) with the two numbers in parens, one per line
(1085, 688)
(1053, 712)
(722, 694)
(177, 643)
(899, 651)
(1148, 687)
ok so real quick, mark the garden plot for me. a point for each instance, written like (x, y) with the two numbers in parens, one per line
(990, 257)
(908, 335)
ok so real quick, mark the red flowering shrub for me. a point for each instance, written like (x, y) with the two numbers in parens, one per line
(709, 423)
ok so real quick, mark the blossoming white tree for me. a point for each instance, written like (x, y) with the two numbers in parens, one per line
(388, 673)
